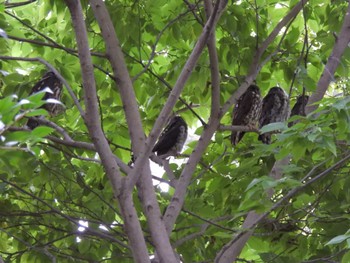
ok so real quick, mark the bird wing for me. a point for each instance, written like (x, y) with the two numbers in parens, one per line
(49, 80)
(271, 105)
(169, 137)
(242, 108)
(299, 107)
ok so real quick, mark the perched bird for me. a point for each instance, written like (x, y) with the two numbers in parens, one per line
(299, 108)
(49, 80)
(246, 112)
(172, 139)
(275, 108)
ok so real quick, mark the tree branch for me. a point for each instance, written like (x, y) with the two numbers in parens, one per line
(53, 45)
(203, 228)
(327, 76)
(13, 5)
(116, 58)
(53, 125)
(132, 225)
(214, 66)
(146, 189)
(154, 46)
(238, 128)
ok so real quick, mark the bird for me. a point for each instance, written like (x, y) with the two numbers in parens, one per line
(275, 108)
(172, 138)
(246, 111)
(51, 81)
(299, 108)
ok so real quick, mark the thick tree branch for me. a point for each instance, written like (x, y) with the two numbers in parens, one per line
(238, 128)
(142, 158)
(132, 225)
(327, 76)
(146, 189)
(92, 119)
(116, 58)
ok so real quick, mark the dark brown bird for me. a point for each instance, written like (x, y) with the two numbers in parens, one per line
(172, 139)
(246, 111)
(49, 80)
(299, 108)
(275, 108)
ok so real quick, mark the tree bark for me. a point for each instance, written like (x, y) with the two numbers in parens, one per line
(92, 121)
(145, 186)
(341, 43)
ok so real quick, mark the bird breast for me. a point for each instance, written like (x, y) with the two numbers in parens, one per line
(181, 139)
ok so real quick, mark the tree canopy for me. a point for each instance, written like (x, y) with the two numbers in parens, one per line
(84, 186)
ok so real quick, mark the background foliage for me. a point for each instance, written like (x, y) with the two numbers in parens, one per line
(48, 189)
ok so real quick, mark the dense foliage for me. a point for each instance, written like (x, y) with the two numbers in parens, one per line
(51, 188)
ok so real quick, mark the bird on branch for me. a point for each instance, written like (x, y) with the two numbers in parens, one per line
(172, 138)
(275, 108)
(246, 111)
(299, 108)
(51, 82)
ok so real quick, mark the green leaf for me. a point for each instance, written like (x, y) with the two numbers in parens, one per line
(84, 245)
(337, 240)
(330, 145)
(346, 256)
(341, 104)
(37, 112)
(42, 131)
(273, 127)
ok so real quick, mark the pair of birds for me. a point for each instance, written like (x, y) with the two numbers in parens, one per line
(170, 142)
(251, 110)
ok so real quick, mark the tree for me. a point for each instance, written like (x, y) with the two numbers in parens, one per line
(70, 190)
